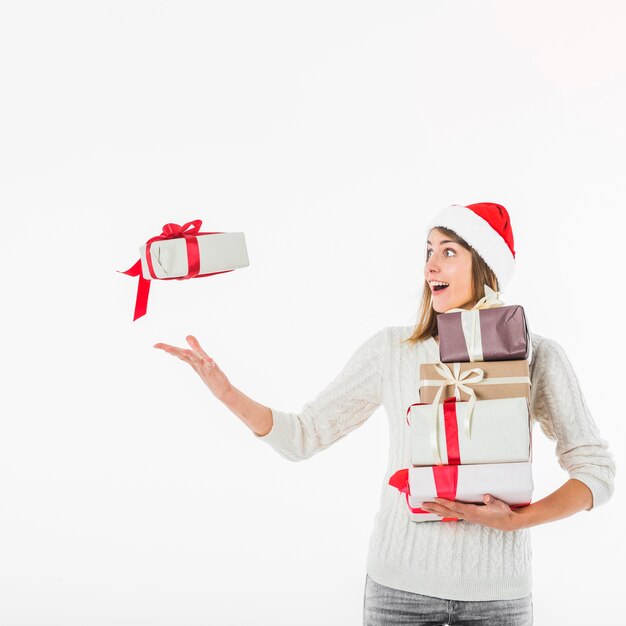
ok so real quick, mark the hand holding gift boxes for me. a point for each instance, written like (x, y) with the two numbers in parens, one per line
(182, 252)
(478, 440)
(509, 482)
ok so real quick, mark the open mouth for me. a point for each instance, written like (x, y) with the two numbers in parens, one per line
(439, 286)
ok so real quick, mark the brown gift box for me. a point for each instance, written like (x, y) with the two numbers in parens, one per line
(483, 389)
(503, 332)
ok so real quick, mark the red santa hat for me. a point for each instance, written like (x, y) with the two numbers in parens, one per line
(487, 228)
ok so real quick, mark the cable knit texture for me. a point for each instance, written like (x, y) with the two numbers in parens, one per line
(457, 560)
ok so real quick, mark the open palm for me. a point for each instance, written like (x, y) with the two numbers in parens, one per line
(204, 365)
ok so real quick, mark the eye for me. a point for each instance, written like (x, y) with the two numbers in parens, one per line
(429, 250)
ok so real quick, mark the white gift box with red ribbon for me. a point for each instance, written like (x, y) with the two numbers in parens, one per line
(217, 252)
(486, 431)
(184, 251)
(509, 482)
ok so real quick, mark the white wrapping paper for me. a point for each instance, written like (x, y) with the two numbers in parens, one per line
(500, 432)
(218, 253)
(509, 482)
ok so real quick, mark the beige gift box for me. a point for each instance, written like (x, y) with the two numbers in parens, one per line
(489, 380)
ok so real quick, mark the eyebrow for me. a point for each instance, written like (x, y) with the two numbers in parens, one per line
(444, 241)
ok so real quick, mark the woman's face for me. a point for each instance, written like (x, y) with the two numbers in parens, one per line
(450, 263)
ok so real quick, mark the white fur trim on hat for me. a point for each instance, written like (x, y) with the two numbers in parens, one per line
(482, 237)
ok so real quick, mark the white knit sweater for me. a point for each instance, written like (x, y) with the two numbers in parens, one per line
(457, 560)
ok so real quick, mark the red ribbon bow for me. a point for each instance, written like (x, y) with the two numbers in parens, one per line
(189, 232)
(446, 479)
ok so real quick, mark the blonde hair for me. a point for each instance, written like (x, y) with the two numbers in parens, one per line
(481, 275)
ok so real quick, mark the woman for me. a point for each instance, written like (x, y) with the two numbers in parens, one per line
(476, 570)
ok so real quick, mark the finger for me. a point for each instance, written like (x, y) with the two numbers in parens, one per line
(445, 502)
(443, 512)
(438, 509)
(189, 355)
(489, 499)
(453, 505)
(162, 346)
(181, 353)
(193, 342)
(168, 348)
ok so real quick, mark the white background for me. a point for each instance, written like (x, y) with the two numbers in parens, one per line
(330, 133)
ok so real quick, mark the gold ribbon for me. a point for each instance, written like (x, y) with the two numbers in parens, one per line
(470, 322)
(460, 380)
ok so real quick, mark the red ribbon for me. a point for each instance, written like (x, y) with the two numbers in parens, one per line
(189, 232)
(452, 431)
(446, 476)
(451, 428)
(446, 480)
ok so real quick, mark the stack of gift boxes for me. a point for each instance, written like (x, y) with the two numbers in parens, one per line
(471, 431)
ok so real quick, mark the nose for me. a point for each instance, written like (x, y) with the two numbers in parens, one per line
(431, 264)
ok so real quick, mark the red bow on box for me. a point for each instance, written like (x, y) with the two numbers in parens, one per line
(189, 232)
(446, 479)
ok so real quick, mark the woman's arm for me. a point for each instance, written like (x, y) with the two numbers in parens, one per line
(559, 405)
(257, 416)
(346, 403)
(570, 498)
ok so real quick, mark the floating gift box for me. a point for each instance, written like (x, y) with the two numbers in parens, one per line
(182, 252)
(489, 380)
(216, 252)
(509, 482)
(453, 432)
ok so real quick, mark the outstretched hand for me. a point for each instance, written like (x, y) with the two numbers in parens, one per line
(493, 513)
(204, 365)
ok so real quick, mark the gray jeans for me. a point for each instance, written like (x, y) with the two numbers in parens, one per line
(384, 606)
